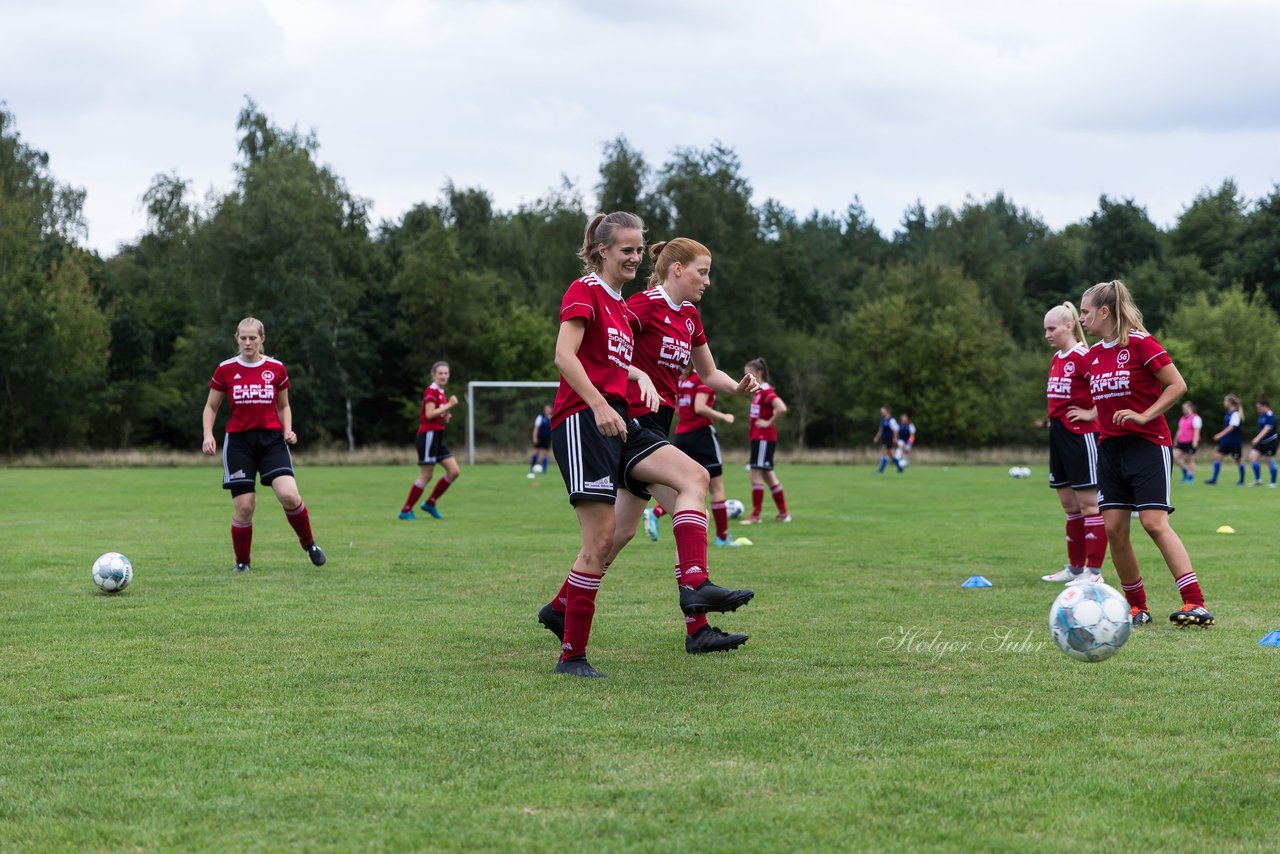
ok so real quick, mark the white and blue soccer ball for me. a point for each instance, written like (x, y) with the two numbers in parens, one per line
(112, 572)
(1019, 472)
(735, 508)
(537, 469)
(1090, 622)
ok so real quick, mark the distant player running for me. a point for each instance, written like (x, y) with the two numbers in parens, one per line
(1265, 443)
(432, 418)
(257, 440)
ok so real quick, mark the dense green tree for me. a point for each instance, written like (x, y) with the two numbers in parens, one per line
(1210, 229)
(927, 341)
(1120, 237)
(1230, 340)
(1258, 257)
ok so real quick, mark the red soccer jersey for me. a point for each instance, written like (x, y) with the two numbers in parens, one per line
(1069, 386)
(605, 352)
(687, 391)
(1125, 378)
(251, 392)
(762, 408)
(432, 394)
(668, 333)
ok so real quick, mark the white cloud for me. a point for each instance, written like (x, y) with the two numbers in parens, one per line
(1053, 103)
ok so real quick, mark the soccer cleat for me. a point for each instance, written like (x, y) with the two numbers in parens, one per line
(1139, 618)
(712, 597)
(651, 524)
(407, 515)
(782, 517)
(553, 620)
(242, 567)
(531, 475)
(578, 667)
(1271, 486)
(753, 519)
(1256, 483)
(1191, 615)
(315, 553)
(432, 511)
(1086, 576)
(711, 639)
(729, 542)
(1067, 573)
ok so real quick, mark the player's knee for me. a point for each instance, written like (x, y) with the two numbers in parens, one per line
(1155, 527)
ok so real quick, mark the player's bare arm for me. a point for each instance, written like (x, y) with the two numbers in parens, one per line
(210, 445)
(286, 416)
(568, 340)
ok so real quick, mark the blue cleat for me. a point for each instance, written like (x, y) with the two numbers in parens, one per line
(651, 524)
(432, 511)
(407, 515)
(728, 541)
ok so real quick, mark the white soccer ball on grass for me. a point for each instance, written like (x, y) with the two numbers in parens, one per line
(112, 572)
(1090, 622)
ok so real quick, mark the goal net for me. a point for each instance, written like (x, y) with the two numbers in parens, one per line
(500, 416)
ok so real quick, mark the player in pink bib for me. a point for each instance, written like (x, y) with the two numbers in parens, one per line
(1133, 382)
(257, 440)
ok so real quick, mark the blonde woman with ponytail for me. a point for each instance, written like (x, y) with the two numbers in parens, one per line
(1073, 447)
(1133, 382)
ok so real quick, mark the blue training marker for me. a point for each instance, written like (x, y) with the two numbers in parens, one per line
(1272, 639)
(979, 581)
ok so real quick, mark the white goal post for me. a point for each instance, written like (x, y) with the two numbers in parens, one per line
(471, 405)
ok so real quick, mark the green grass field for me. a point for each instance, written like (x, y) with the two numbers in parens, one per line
(401, 697)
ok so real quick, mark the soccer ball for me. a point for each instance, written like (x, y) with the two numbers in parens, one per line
(735, 508)
(537, 469)
(1090, 622)
(1019, 472)
(112, 572)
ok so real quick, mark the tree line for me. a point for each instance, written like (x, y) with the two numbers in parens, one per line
(942, 318)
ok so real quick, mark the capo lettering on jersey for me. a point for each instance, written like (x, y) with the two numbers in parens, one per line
(674, 353)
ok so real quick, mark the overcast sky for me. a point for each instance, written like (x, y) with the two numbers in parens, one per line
(1053, 103)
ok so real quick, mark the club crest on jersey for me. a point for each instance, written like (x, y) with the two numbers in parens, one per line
(1122, 358)
(268, 376)
(688, 324)
(1069, 368)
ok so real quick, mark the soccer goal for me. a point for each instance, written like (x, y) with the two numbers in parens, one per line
(509, 413)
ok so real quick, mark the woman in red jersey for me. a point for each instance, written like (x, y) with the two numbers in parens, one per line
(1133, 382)
(670, 339)
(1073, 447)
(668, 334)
(766, 409)
(591, 437)
(257, 438)
(433, 416)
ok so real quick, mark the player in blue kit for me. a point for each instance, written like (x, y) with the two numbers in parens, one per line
(1265, 443)
(887, 437)
(541, 439)
(1228, 439)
